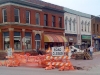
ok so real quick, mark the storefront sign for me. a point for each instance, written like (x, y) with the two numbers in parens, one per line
(86, 37)
(9, 52)
(96, 36)
(58, 51)
(70, 39)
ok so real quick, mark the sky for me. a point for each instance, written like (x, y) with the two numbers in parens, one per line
(91, 7)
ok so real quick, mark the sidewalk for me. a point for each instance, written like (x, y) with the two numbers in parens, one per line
(96, 53)
(88, 63)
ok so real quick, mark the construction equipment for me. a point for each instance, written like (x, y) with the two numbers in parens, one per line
(82, 55)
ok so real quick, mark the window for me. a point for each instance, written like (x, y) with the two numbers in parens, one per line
(97, 27)
(37, 41)
(74, 21)
(45, 20)
(85, 25)
(60, 22)
(94, 28)
(37, 18)
(28, 40)
(17, 40)
(88, 26)
(70, 23)
(6, 40)
(16, 14)
(4, 15)
(66, 19)
(27, 17)
(53, 21)
(82, 24)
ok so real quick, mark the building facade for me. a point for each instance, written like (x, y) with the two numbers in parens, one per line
(70, 23)
(77, 28)
(26, 25)
(95, 22)
(85, 22)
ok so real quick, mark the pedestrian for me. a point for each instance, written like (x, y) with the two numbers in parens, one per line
(91, 48)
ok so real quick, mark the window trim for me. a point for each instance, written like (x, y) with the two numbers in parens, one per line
(66, 23)
(18, 15)
(46, 20)
(53, 21)
(29, 16)
(38, 18)
(60, 22)
(3, 14)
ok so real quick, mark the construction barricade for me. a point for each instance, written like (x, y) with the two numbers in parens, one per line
(46, 61)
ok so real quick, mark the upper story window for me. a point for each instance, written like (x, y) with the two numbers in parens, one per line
(70, 23)
(94, 28)
(74, 21)
(60, 22)
(37, 18)
(53, 21)
(85, 25)
(16, 14)
(4, 11)
(97, 27)
(88, 26)
(45, 20)
(27, 17)
(66, 19)
(82, 23)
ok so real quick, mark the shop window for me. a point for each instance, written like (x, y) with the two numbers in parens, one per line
(28, 40)
(37, 41)
(27, 17)
(17, 41)
(16, 15)
(6, 40)
(53, 21)
(60, 22)
(37, 18)
(45, 20)
(4, 11)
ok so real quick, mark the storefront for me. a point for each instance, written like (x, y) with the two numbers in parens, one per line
(86, 41)
(96, 41)
(72, 39)
(54, 40)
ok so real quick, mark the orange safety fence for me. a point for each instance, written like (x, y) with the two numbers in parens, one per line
(46, 61)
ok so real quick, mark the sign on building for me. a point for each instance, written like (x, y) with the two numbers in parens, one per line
(24, 41)
(9, 52)
(58, 51)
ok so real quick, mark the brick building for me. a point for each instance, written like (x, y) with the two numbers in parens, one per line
(30, 24)
(95, 23)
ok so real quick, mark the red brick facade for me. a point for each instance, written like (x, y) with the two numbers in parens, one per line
(22, 27)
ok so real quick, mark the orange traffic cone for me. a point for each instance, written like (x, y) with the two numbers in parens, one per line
(61, 68)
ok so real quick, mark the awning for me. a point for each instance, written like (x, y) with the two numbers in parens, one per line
(54, 38)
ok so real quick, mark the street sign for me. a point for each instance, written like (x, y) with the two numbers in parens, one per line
(9, 52)
(58, 51)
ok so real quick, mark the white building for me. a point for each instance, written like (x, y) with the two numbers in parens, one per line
(77, 27)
